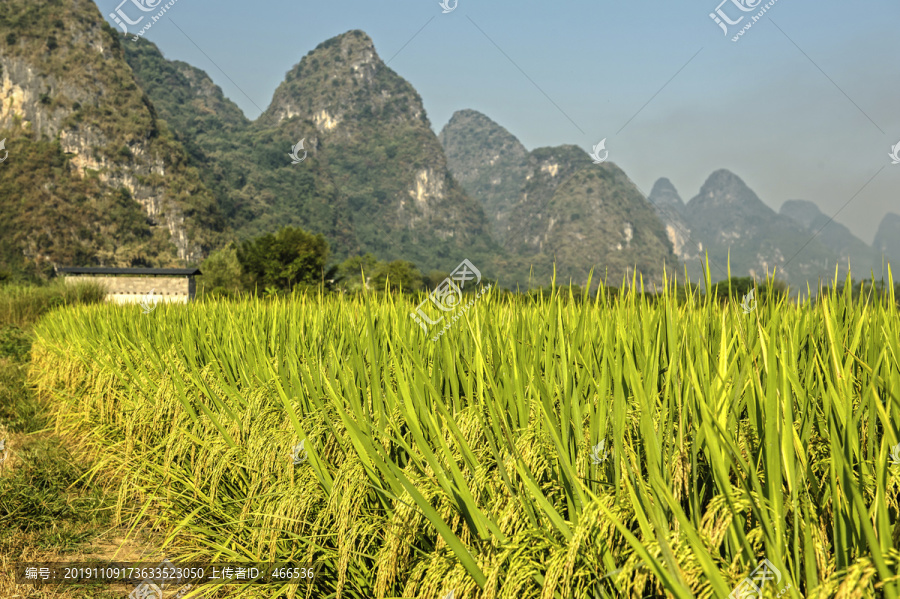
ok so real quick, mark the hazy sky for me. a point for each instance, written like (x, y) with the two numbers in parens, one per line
(806, 105)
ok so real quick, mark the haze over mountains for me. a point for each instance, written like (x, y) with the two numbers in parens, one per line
(537, 204)
(121, 157)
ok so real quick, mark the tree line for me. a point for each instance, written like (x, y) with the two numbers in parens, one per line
(294, 260)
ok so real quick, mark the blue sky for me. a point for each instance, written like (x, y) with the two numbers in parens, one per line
(806, 105)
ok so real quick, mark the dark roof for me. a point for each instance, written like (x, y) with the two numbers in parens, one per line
(152, 272)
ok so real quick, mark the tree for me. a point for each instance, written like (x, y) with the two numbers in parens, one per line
(400, 273)
(350, 272)
(739, 287)
(222, 273)
(290, 258)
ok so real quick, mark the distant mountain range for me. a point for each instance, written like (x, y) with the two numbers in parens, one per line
(120, 157)
(887, 239)
(726, 220)
(556, 202)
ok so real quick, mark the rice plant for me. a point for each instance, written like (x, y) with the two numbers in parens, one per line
(470, 465)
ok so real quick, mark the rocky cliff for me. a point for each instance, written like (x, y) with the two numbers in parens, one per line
(93, 176)
(670, 208)
(374, 180)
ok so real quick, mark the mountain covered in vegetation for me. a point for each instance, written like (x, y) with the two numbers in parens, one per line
(489, 162)
(93, 176)
(545, 205)
(730, 220)
(143, 161)
(374, 180)
(554, 205)
(121, 157)
(378, 180)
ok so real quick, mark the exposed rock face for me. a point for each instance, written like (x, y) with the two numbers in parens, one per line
(670, 208)
(21, 90)
(375, 178)
(65, 88)
(488, 162)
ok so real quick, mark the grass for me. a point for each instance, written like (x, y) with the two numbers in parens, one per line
(47, 512)
(35, 496)
(466, 464)
(22, 305)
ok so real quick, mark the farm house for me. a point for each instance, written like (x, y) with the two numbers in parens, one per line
(133, 285)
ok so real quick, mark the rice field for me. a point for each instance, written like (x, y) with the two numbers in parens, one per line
(617, 446)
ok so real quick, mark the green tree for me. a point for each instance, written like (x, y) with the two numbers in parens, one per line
(740, 286)
(350, 272)
(222, 273)
(400, 273)
(288, 259)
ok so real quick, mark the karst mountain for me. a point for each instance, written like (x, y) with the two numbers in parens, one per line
(119, 156)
